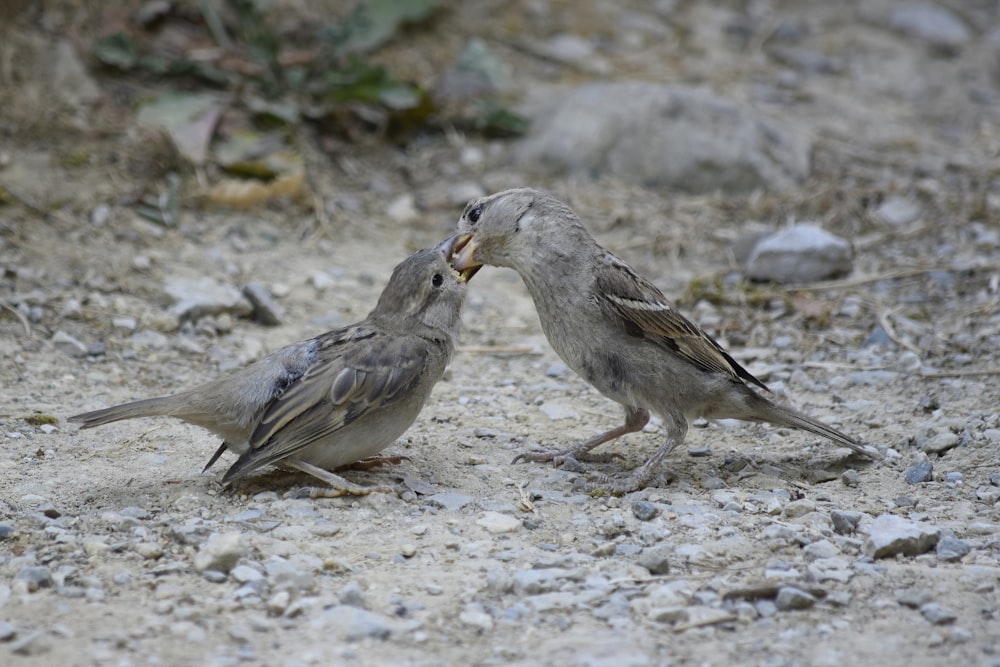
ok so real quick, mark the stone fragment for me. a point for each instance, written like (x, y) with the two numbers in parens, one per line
(890, 535)
(220, 552)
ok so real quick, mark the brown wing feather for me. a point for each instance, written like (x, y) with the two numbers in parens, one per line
(344, 384)
(643, 307)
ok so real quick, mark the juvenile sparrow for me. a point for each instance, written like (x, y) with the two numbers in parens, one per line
(616, 330)
(334, 399)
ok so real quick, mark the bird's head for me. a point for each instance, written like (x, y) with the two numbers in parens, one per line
(425, 289)
(515, 228)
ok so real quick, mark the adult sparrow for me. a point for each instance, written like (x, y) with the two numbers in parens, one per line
(616, 330)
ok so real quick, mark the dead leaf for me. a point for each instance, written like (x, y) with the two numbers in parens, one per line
(189, 119)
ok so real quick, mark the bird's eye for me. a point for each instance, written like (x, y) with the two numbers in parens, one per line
(437, 280)
(474, 215)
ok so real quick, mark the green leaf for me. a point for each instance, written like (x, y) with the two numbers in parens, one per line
(369, 84)
(117, 50)
(496, 121)
(476, 58)
(274, 113)
(372, 23)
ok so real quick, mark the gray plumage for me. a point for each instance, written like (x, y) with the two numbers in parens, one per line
(334, 399)
(616, 329)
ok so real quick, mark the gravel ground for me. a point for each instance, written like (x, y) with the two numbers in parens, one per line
(756, 546)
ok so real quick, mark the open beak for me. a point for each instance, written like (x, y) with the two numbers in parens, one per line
(462, 253)
(460, 259)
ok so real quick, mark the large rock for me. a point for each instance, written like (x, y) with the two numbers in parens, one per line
(800, 254)
(663, 136)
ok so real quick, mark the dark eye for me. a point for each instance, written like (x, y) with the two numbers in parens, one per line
(437, 280)
(474, 215)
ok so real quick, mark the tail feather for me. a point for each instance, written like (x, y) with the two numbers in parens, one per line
(150, 407)
(778, 414)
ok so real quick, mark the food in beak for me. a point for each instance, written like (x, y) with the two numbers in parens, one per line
(462, 254)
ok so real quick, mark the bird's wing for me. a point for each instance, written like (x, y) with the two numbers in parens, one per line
(353, 375)
(645, 311)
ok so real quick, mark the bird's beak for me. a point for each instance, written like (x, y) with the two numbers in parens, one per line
(462, 252)
(450, 247)
(462, 255)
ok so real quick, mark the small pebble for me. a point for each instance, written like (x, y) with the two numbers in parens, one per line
(220, 552)
(644, 510)
(35, 577)
(937, 614)
(245, 574)
(850, 478)
(791, 598)
(898, 211)
(403, 209)
(148, 550)
(69, 345)
(988, 494)
(449, 501)
(126, 324)
(891, 535)
(497, 523)
(941, 443)
(952, 549)
(656, 558)
(265, 310)
(353, 595)
(142, 263)
(920, 473)
(35, 643)
(845, 522)
(798, 508)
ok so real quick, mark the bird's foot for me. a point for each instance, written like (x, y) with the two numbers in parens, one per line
(374, 462)
(340, 490)
(336, 487)
(614, 485)
(566, 458)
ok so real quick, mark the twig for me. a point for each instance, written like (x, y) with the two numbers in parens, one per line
(971, 372)
(865, 280)
(890, 331)
(19, 315)
(836, 366)
(702, 622)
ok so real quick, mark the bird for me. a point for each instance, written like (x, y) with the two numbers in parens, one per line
(617, 331)
(335, 399)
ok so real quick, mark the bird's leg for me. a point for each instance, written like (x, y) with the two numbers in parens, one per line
(338, 485)
(635, 420)
(676, 427)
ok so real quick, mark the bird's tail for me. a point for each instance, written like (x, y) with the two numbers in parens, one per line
(781, 415)
(150, 407)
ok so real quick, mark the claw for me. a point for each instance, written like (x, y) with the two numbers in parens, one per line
(332, 492)
(374, 462)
